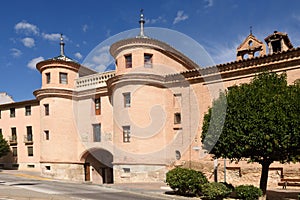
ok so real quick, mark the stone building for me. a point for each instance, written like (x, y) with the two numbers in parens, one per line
(138, 121)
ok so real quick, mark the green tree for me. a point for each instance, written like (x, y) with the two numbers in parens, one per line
(262, 123)
(4, 147)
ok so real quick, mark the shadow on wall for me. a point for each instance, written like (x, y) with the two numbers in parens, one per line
(10, 161)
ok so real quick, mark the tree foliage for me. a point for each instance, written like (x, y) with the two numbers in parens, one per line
(4, 147)
(262, 123)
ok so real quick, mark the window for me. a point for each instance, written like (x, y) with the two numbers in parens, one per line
(128, 61)
(97, 106)
(127, 100)
(0, 114)
(47, 111)
(15, 151)
(126, 134)
(48, 77)
(97, 132)
(63, 78)
(48, 167)
(177, 100)
(30, 166)
(30, 151)
(14, 134)
(47, 136)
(12, 112)
(148, 60)
(126, 170)
(1, 132)
(177, 118)
(276, 46)
(27, 110)
(29, 133)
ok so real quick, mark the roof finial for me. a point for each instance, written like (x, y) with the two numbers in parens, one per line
(142, 22)
(250, 30)
(62, 44)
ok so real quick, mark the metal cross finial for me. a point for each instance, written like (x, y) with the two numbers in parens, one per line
(62, 44)
(142, 22)
(250, 30)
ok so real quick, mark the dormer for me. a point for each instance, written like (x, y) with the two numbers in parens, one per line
(278, 42)
(249, 47)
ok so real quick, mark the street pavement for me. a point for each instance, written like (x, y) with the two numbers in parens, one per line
(21, 185)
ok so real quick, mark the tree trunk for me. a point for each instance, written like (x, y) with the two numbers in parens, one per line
(264, 176)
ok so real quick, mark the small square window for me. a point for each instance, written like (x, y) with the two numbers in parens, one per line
(127, 99)
(30, 151)
(177, 118)
(126, 134)
(27, 110)
(48, 77)
(47, 111)
(12, 112)
(63, 78)
(48, 167)
(148, 60)
(128, 61)
(126, 170)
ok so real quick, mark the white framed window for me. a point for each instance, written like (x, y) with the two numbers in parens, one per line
(27, 110)
(126, 134)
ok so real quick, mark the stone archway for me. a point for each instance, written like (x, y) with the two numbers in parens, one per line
(98, 166)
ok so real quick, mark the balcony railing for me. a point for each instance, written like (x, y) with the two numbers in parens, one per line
(13, 140)
(28, 139)
(93, 81)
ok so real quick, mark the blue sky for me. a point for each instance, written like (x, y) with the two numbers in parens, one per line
(30, 29)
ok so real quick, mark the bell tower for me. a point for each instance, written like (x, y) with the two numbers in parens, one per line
(250, 46)
(278, 42)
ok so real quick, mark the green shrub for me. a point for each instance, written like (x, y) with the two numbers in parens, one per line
(248, 192)
(228, 185)
(215, 191)
(185, 181)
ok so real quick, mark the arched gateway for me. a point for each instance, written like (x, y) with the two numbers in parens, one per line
(98, 165)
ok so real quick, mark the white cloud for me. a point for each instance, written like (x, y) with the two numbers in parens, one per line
(223, 53)
(28, 42)
(180, 17)
(26, 28)
(32, 64)
(156, 20)
(209, 3)
(52, 36)
(85, 28)
(15, 52)
(78, 55)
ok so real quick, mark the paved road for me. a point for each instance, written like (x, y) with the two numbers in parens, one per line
(16, 187)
